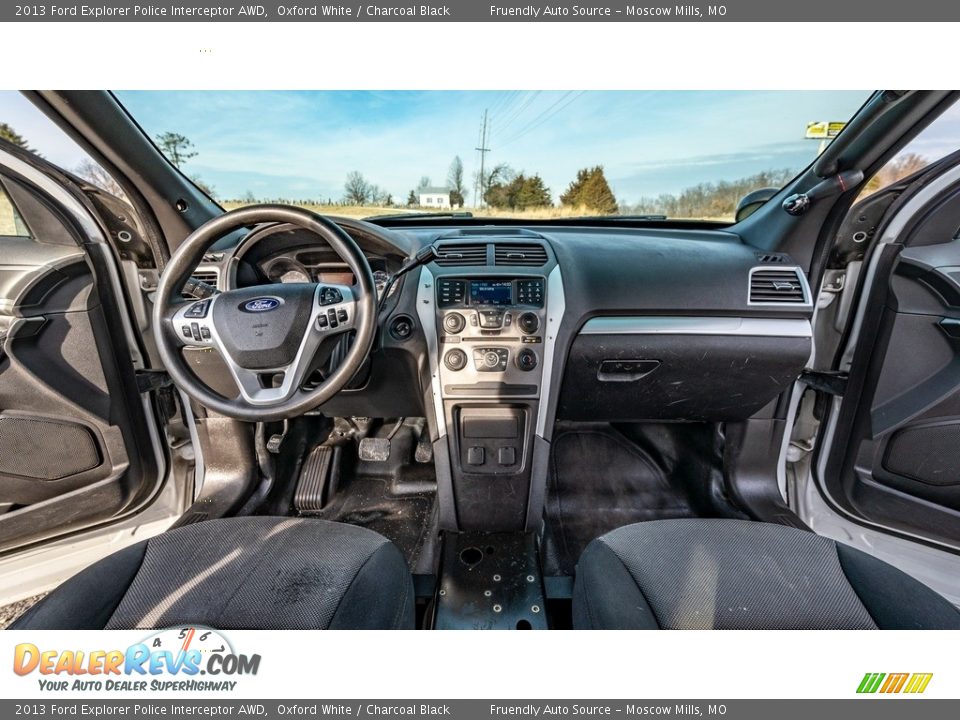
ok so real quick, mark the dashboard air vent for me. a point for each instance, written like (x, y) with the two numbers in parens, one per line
(461, 255)
(776, 286)
(520, 254)
(206, 276)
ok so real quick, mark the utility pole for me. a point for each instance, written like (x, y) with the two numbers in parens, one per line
(483, 150)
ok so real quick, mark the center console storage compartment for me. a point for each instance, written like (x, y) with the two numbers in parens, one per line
(491, 438)
(490, 448)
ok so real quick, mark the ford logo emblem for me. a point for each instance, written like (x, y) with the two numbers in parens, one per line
(262, 304)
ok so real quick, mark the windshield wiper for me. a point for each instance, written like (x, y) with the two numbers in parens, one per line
(622, 217)
(419, 216)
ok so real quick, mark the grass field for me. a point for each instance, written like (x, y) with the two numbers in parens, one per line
(360, 211)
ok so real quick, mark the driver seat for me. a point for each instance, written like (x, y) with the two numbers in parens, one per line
(246, 573)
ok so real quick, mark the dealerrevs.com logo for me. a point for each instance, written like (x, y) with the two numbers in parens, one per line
(177, 659)
(894, 683)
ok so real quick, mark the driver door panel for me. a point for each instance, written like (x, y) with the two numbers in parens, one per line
(65, 459)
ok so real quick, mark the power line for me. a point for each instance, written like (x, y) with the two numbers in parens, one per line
(507, 121)
(501, 102)
(543, 117)
(512, 97)
(544, 112)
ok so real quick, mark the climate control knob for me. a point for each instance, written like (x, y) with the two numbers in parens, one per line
(529, 323)
(455, 359)
(526, 360)
(454, 323)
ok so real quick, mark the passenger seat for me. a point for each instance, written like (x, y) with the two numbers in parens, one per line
(700, 574)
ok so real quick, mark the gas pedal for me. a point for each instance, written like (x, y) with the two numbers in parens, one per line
(313, 479)
(424, 451)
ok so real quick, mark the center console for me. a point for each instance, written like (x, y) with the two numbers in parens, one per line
(490, 335)
(489, 332)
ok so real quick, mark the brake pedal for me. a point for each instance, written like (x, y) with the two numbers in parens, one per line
(313, 479)
(374, 449)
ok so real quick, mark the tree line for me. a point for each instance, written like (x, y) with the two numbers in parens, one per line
(710, 199)
(500, 187)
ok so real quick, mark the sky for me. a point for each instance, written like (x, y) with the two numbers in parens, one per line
(301, 145)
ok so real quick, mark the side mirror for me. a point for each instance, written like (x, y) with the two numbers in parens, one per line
(752, 201)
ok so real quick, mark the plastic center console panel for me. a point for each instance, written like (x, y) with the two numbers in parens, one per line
(490, 581)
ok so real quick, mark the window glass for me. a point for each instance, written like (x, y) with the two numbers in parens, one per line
(938, 140)
(22, 124)
(682, 154)
(11, 224)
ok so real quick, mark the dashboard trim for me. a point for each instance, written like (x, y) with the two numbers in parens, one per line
(710, 325)
(426, 311)
(555, 308)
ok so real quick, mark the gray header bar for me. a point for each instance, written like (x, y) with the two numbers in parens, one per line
(482, 11)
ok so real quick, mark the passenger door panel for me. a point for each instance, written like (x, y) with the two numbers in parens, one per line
(902, 462)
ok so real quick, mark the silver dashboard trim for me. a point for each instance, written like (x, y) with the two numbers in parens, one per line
(714, 325)
(427, 312)
(556, 307)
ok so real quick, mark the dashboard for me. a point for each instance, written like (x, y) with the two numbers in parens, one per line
(594, 324)
(507, 330)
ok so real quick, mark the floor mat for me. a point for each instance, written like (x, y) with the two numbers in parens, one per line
(600, 481)
(373, 503)
(394, 497)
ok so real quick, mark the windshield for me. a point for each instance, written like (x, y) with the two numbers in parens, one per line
(522, 154)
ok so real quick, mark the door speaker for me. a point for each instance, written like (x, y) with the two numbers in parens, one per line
(930, 454)
(44, 449)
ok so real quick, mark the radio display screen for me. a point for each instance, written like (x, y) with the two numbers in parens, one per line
(491, 292)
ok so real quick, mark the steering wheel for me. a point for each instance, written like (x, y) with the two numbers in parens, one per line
(268, 334)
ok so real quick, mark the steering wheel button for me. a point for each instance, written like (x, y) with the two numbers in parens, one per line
(198, 309)
(342, 315)
(205, 332)
(186, 331)
(330, 296)
(322, 322)
(195, 331)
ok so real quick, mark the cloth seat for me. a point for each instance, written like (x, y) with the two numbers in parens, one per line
(735, 574)
(254, 573)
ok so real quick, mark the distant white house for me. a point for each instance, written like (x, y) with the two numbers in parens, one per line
(434, 197)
